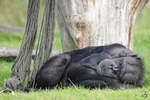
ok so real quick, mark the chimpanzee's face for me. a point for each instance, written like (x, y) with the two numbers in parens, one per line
(130, 69)
(126, 68)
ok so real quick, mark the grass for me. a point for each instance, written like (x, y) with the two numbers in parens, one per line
(142, 41)
(11, 12)
(4, 71)
(8, 40)
(80, 93)
(141, 47)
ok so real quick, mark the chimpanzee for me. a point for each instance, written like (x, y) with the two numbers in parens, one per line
(111, 66)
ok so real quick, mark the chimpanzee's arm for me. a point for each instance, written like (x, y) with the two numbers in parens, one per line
(118, 50)
(87, 76)
(95, 58)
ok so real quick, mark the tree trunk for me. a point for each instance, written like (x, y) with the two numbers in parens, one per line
(22, 63)
(47, 30)
(97, 22)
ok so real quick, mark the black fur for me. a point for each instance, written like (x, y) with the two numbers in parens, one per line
(112, 66)
(51, 72)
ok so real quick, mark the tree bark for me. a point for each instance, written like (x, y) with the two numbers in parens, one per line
(22, 63)
(97, 22)
(47, 30)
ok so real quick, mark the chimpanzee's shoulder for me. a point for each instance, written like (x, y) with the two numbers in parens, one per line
(116, 45)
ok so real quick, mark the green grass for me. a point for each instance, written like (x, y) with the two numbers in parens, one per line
(8, 40)
(79, 94)
(5, 70)
(142, 41)
(11, 12)
(141, 47)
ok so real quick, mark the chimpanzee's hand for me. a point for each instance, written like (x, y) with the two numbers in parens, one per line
(107, 68)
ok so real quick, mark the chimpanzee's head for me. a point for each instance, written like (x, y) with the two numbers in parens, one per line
(128, 70)
(131, 70)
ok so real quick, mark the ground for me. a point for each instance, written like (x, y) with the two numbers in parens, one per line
(141, 47)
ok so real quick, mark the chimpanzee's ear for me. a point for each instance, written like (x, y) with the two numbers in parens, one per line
(65, 59)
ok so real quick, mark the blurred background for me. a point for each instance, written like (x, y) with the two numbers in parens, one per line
(12, 23)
